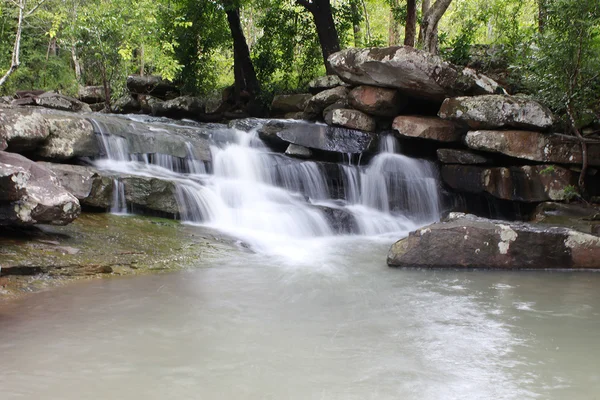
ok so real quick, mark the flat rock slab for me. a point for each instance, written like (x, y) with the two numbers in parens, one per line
(457, 156)
(471, 242)
(535, 146)
(31, 194)
(432, 128)
(414, 72)
(497, 111)
(529, 183)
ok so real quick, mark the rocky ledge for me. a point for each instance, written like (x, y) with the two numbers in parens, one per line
(465, 241)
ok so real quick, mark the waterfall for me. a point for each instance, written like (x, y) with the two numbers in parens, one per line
(250, 191)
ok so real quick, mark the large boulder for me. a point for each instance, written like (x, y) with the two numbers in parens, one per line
(126, 104)
(528, 183)
(180, 107)
(432, 128)
(497, 111)
(535, 146)
(61, 102)
(316, 104)
(459, 156)
(152, 85)
(351, 119)
(31, 194)
(22, 129)
(317, 136)
(414, 72)
(92, 94)
(70, 137)
(377, 101)
(324, 82)
(471, 242)
(289, 103)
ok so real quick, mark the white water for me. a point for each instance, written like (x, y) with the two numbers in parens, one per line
(270, 200)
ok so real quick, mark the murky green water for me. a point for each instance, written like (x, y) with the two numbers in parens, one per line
(339, 326)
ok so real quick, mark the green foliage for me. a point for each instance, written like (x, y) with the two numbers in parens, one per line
(548, 170)
(564, 69)
(571, 193)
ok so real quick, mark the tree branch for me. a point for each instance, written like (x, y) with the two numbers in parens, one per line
(306, 4)
(34, 8)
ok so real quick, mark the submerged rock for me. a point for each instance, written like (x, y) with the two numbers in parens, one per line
(31, 194)
(529, 183)
(432, 128)
(497, 111)
(471, 242)
(351, 119)
(535, 146)
(414, 72)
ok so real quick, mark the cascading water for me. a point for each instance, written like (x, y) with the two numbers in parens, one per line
(267, 198)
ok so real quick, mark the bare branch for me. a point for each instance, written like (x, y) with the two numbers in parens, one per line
(35, 8)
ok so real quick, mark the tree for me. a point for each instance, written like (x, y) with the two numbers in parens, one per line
(323, 18)
(23, 12)
(410, 29)
(428, 34)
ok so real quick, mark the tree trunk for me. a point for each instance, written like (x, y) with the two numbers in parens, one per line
(428, 34)
(245, 78)
(356, 18)
(15, 62)
(328, 37)
(394, 28)
(410, 30)
(76, 63)
(542, 14)
(425, 4)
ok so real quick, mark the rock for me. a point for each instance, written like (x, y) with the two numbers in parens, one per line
(432, 128)
(471, 242)
(528, 183)
(151, 193)
(5, 100)
(295, 150)
(246, 124)
(322, 83)
(91, 94)
(85, 183)
(582, 217)
(341, 221)
(287, 103)
(497, 111)
(414, 72)
(23, 94)
(335, 106)
(25, 101)
(377, 101)
(535, 146)
(22, 129)
(126, 105)
(61, 102)
(69, 138)
(351, 119)
(455, 156)
(327, 138)
(315, 106)
(152, 85)
(31, 194)
(147, 103)
(180, 107)
(294, 115)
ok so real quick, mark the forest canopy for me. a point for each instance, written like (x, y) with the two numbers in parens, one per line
(548, 48)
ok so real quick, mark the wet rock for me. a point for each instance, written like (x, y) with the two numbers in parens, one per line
(5, 100)
(152, 85)
(340, 220)
(151, 193)
(289, 103)
(582, 217)
(316, 104)
(69, 138)
(377, 101)
(456, 156)
(92, 94)
(535, 146)
(497, 111)
(180, 107)
(432, 128)
(318, 136)
(351, 119)
(298, 151)
(31, 194)
(471, 242)
(414, 72)
(61, 102)
(294, 115)
(529, 183)
(322, 83)
(126, 105)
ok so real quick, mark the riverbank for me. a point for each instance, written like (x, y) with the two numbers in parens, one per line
(102, 245)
